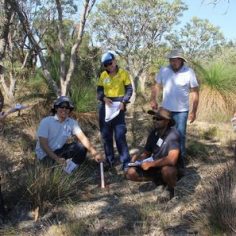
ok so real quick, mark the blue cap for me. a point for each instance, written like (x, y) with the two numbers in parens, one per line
(63, 99)
(107, 58)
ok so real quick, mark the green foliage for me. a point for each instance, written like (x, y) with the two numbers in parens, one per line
(37, 83)
(197, 150)
(84, 98)
(210, 133)
(219, 77)
(199, 38)
(134, 29)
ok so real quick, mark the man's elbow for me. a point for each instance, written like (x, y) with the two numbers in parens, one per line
(173, 160)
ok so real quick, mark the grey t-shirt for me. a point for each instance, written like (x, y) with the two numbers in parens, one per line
(160, 148)
(56, 132)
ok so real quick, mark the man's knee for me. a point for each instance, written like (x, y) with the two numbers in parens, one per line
(131, 174)
(169, 172)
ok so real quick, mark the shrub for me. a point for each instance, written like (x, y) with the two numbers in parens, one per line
(217, 214)
(211, 133)
(45, 186)
(222, 206)
(84, 98)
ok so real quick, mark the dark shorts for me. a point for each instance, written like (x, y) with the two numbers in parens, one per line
(152, 173)
(76, 151)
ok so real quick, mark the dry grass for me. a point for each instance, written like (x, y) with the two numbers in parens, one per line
(47, 187)
(122, 209)
(213, 106)
(217, 212)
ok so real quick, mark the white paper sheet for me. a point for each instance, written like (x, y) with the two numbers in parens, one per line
(70, 166)
(112, 111)
(139, 162)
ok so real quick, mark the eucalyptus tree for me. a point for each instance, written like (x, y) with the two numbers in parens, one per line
(5, 16)
(45, 19)
(135, 29)
(199, 38)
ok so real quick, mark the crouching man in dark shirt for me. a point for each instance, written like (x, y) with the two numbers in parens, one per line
(159, 161)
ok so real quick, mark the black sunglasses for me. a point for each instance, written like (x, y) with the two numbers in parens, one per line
(107, 64)
(63, 106)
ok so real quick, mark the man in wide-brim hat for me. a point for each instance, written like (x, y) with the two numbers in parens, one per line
(178, 82)
(163, 146)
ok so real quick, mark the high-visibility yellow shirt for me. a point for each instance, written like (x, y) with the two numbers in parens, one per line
(114, 86)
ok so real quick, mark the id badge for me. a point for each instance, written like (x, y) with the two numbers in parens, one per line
(159, 142)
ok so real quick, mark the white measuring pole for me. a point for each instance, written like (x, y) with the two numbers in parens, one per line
(102, 175)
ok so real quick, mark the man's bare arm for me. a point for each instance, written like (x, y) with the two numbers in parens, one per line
(170, 160)
(195, 99)
(44, 145)
(156, 89)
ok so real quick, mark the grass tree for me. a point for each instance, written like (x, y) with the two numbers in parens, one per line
(218, 90)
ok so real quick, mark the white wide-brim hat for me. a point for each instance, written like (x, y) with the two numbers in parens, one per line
(176, 53)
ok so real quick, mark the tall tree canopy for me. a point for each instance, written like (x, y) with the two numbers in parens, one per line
(43, 36)
(134, 29)
(199, 38)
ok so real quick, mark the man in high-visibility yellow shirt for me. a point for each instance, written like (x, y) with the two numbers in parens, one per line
(114, 86)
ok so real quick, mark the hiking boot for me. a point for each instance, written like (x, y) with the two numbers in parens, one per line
(166, 195)
(107, 166)
(181, 173)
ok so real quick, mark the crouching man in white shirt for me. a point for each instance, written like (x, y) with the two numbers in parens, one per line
(55, 131)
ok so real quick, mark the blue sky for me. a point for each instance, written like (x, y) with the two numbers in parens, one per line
(222, 15)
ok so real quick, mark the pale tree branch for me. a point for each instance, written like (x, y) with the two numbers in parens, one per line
(26, 26)
(86, 10)
(61, 42)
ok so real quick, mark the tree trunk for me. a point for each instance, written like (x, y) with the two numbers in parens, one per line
(2, 209)
(6, 17)
(142, 79)
(26, 26)
(1, 100)
(65, 84)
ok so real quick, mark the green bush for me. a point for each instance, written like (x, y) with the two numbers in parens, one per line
(84, 98)
(197, 150)
(211, 133)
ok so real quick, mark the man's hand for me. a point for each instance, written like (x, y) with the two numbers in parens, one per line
(192, 117)
(61, 161)
(134, 158)
(122, 106)
(107, 101)
(146, 165)
(98, 157)
(154, 105)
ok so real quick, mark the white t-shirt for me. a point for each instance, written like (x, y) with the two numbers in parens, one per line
(56, 132)
(176, 87)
